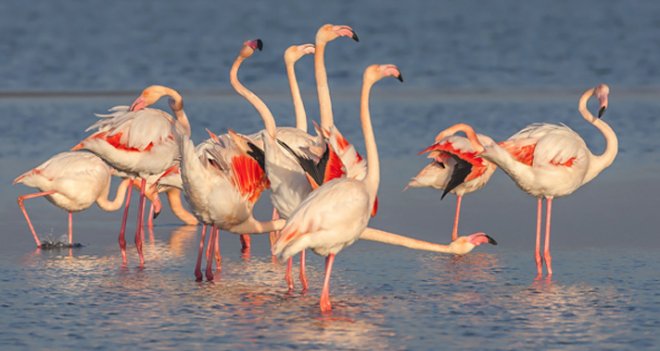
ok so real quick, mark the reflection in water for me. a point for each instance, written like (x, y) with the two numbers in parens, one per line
(182, 239)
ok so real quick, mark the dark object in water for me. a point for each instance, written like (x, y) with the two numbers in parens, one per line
(57, 245)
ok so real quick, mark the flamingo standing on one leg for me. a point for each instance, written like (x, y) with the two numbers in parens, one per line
(455, 169)
(138, 141)
(549, 160)
(72, 181)
(335, 215)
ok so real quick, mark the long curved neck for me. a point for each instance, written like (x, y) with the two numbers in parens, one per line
(373, 166)
(259, 105)
(597, 163)
(384, 237)
(298, 105)
(177, 108)
(174, 198)
(322, 88)
(108, 205)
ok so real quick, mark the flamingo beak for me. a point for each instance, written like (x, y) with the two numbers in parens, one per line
(355, 37)
(603, 105)
(491, 240)
(256, 44)
(138, 104)
(400, 77)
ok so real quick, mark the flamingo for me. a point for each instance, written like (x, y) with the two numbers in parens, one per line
(354, 164)
(548, 160)
(335, 214)
(455, 169)
(289, 185)
(138, 141)
(72, 181)
(222, 185)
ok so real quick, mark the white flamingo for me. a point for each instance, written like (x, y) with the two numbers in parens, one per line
(73, 181)
(455, 169)
(549, 160)
(335, 214)
(138, 141)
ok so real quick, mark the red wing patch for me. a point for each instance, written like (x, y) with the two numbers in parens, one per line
(374, 210)
(334, 168)
(115, 141)
(524, 154)
(478, 166)
(568, 163)
(342, 143)
(249, 177)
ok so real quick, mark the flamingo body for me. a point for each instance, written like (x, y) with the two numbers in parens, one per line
(77, 179)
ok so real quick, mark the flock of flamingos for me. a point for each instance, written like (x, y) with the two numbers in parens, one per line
(322, 190)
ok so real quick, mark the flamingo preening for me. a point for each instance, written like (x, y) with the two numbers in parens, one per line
(138, 141)
(455, 169)
(548, 160)
(73, 181)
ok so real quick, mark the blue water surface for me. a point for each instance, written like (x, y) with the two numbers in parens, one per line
(498, 66)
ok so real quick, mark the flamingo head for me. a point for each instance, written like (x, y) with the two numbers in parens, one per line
(250, 46)
(330, 32)
(151, 193)
(376, 72)
(601, 92)
(149, 96)
(294, 52)
(465, 244)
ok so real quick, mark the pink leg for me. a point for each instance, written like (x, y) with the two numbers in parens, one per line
(27, 218)
(122, 231)
(218, 258)
(537, 251)
(209, 248)
(303, 276)
(70, 229)
(273, 236)
(245, 243)
(546, 253)
(144, 204)
(325, 293)
(288, 277)
(454, 232)
(209, 258)
(198, 265)
(150, 219)
(140, 222)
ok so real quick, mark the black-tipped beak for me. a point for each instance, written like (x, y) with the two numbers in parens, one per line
(601, 112)
(355, 37)
(400, 77)
(156, 214)
(491, 240)
(260, 44)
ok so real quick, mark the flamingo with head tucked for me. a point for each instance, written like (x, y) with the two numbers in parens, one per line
(455, 169)
(548, 160)
(138, 141)
(73, 181)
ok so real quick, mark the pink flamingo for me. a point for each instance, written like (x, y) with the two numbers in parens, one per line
(549, 160)
(288, 183)
(138, 141)
(455, 169)
(72, 181)
(334, 215)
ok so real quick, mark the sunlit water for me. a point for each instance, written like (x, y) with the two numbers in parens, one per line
(498, 68)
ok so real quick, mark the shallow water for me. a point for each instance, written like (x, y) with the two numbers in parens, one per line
(498, 68)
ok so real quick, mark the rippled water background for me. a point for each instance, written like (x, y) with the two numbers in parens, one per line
(499, 66)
